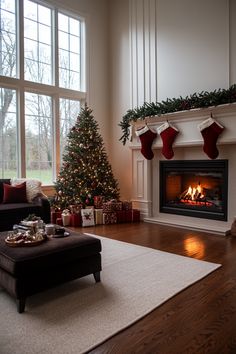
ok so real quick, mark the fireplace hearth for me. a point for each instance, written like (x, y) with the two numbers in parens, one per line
(197, 188)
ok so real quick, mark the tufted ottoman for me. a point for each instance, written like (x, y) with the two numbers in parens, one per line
(25, 271)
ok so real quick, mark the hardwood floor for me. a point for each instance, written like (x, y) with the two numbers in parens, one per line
(200, 319)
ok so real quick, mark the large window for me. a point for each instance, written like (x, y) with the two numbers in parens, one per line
(42, 86)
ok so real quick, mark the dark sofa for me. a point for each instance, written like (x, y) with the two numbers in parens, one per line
(13, 213)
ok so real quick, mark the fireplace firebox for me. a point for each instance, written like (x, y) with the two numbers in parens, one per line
(197, 188)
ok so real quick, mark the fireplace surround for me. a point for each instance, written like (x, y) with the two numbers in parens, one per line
(188, 146)
(197, 188)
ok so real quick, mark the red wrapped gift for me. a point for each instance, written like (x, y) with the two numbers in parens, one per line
(98, 201)
(54, 216)
(128, 215)
(117, 206)
(108, 207)
(76, 220)
(59, 221)
(109, 218)
(75, 208)
(135, 215)
(126, 205)
(120, 216)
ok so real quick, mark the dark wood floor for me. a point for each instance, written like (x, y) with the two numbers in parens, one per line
(202, 318)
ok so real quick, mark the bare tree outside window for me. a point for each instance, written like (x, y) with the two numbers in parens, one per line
(37, 43)
(38, 136)
(8, 137)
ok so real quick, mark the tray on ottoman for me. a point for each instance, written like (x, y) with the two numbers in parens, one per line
(25, 271)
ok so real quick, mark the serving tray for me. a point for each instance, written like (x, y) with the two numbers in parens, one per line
(24, 243)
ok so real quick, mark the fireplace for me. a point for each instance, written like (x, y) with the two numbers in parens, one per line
(197, 188)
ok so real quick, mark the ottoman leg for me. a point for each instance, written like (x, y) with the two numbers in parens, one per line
(97, 277)
(21, 305)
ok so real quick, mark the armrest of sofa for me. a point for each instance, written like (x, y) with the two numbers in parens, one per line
(43, 201)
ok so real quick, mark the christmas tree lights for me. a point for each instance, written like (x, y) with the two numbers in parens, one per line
(86, 171)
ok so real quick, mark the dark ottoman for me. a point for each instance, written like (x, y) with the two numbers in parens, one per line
(25, 271)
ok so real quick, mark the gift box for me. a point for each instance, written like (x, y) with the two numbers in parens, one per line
(76, 220)
(135, 215)
(128, 215)
(65, 215)
(120, 216)
(126, 205)
(109, 218)
(75, 208)
(111, 206)
(98, 201)
(59, 221)
(117, 206)
(54, 216)
(87, 217)
(98, 216)
(108, 207)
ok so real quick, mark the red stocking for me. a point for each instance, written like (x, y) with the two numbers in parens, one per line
(147, 137)
(168, 134)
(210, 130)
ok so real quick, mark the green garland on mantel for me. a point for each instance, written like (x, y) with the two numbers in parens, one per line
(197, 100)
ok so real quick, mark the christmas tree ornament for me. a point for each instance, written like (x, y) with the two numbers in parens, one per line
(210, 130)
(168, 134)
(146, 136)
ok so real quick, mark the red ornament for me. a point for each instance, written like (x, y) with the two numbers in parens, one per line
(87, 201)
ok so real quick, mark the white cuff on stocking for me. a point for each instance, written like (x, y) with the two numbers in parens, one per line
(207, 123)
(164, 126)
(141, 131)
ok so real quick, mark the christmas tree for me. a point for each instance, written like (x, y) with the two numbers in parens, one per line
(85, 170)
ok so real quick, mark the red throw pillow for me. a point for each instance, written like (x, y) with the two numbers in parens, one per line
(14, 194)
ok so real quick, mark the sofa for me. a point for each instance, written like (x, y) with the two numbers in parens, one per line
(18, 199)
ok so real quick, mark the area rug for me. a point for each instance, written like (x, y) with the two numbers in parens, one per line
(77, 316)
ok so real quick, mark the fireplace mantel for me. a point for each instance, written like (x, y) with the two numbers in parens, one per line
(188, 145)
(187, 123)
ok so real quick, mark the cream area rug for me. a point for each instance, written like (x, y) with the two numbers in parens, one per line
(75, 317)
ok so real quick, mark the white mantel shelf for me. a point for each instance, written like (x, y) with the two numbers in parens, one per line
(188, 145)
(187, 123)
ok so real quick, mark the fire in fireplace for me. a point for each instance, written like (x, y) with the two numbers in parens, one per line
(196, 188)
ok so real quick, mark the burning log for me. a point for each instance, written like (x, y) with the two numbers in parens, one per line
(194, 196)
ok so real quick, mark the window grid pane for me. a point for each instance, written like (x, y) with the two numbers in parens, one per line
(38, 137)
(8, 133)
(8, 43)
(38, 45)
(69, 52)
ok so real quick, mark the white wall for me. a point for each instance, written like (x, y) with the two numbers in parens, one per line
(119, 78)
(165, 48)
(192, 46)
